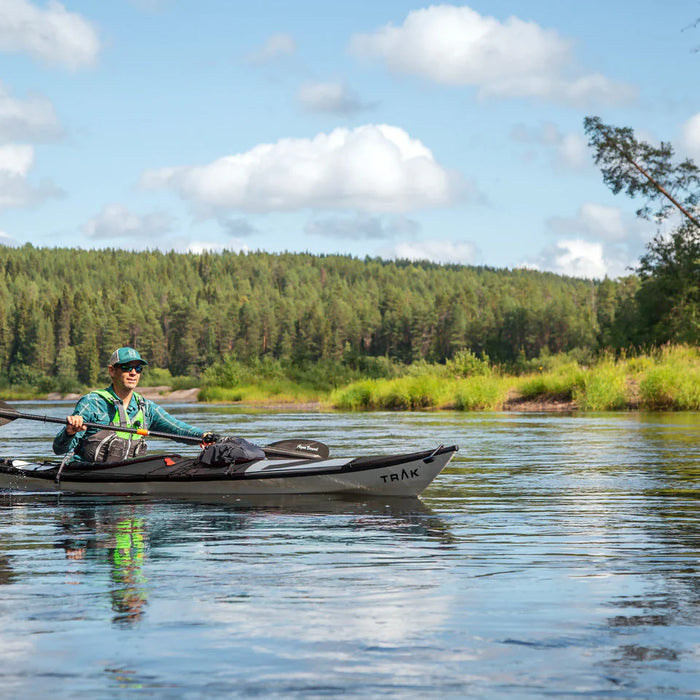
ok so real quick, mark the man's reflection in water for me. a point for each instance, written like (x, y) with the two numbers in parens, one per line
(128, 593)
(84, 536)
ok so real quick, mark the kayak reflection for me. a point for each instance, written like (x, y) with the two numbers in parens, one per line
(137, 542)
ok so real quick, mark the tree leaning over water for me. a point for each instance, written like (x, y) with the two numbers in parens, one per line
(668, 298)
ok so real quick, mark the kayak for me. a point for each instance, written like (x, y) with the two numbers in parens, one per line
(174, 475)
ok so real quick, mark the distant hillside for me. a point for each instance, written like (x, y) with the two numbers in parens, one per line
(65, 310)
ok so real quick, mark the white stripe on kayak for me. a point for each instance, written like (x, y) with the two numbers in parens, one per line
(272, 466)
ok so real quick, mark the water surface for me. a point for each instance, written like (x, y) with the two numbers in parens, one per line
(556, 557)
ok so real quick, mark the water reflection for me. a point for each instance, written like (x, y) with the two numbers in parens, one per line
(6, 574)
(127, 538)
(96, 536)
(557, 556)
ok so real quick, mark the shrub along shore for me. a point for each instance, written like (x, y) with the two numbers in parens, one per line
(667, 379)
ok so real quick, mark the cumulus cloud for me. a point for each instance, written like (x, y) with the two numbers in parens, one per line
(7, 240)
(570, 149)
(594, 221)
(438, 251)
(237, 227)
(16, 162)
(16, 159)
(50, 34)
(690, 137)
(362, 227)
(16, 191)
(577, 258)
(373, 168)
(515, 58)
(596, 242)
(331, 98)
(276, 46)
(33, 119)
(116, 222)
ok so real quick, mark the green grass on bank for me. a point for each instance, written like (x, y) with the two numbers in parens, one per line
(667, 379)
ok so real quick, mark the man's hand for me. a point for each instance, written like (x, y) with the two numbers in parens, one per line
(208, 438)
(74, 424)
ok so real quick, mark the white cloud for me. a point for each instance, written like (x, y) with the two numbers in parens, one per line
(597, 241)
(373, 168)
(116, 222)
(572, 152)
(571, 149)
(438, 251)
(6, 239)
(25, 120)
(16, 159)
(595, 221)
(690, 137)
(576, 258)
(15, 191)
(515, 58)
(362, 227)
(276, 46)
(332, 98)
(50, 34)
(237, 227)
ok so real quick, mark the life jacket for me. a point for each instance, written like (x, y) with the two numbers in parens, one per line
(116, 446)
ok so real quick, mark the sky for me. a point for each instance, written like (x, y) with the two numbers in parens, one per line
(385, 128)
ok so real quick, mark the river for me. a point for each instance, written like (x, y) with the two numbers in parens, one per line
(557, 556)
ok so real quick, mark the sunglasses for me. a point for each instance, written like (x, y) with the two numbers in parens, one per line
(128, 368)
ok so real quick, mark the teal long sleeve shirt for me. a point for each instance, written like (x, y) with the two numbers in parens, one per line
(95, 409)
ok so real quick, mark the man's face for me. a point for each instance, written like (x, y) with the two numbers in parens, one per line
(126, 376)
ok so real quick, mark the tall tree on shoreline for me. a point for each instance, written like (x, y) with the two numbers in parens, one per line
(668, 298)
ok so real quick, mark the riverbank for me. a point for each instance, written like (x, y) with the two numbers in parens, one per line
(166, 394)
(155, 393)
(665, 380)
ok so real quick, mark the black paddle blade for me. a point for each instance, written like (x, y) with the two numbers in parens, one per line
(7, 413)
(312, 448)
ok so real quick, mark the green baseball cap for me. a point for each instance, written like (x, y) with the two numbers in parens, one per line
(123, 355)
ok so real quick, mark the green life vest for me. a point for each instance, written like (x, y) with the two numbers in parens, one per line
(121, 418)
(116, 446)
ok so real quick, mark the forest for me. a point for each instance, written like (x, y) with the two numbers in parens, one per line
(63, 311)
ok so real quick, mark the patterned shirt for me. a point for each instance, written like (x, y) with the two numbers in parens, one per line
(95, 409)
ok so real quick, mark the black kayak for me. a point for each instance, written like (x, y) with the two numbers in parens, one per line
(173, 474)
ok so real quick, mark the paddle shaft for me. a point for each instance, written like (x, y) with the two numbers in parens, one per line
(11, 414)
(99, 426)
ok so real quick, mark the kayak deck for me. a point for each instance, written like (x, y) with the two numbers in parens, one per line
(390, 475)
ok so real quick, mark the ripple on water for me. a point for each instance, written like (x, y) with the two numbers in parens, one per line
(556, 556)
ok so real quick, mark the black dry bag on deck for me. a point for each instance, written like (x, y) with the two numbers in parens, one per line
(228, 451)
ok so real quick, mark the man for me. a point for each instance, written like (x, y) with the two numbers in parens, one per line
(119, 405)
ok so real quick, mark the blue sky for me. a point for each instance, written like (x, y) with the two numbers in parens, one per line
(445, 132)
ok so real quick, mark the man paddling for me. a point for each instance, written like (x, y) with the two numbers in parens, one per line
(119, 405)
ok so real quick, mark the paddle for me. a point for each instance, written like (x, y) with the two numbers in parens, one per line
(297, 447)
(309, 448)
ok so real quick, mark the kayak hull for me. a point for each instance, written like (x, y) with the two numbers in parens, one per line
(172, 475)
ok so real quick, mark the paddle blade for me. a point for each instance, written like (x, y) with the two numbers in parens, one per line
(7, 413)
(312, 448)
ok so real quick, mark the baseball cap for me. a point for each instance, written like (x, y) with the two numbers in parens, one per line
(121, 355)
